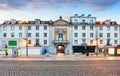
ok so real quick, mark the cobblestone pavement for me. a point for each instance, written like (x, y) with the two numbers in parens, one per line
(60, 68)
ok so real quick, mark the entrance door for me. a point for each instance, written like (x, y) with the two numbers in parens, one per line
(60, 49)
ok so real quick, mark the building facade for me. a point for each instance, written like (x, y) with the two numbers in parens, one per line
(78, 35)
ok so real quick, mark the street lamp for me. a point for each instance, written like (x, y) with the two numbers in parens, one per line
(96, 41)
(26, 41)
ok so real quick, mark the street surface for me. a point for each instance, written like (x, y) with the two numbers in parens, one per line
(60, 68)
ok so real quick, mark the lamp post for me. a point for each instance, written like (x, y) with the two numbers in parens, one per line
(96, 40)
(26, 41)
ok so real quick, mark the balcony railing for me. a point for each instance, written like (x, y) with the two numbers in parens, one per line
(60, 41)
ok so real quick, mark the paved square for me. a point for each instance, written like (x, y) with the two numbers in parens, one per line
(60, 68)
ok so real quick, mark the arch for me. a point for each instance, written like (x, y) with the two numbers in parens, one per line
(60, 48)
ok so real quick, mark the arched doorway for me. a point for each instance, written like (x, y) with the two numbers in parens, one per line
(60, 48)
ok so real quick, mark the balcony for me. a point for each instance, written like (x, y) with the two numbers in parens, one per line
(60, 41)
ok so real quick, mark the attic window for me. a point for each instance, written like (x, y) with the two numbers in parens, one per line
(75, 21)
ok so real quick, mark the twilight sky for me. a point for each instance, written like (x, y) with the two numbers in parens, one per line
(52, 9)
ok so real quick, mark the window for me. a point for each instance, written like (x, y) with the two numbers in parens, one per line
(45, 41)
(29, 27)
(4, 28)
(37, 27)
(83, 27)
(45, 34)
(37, 34)
(4, 34)
(115, 41)
(75, 41)
(20, 34)
(75, 34)
(45, 27)
(29, 34)
(91, 41)
(100, 34)
(75, 21)
(91, 21)
(29, 41)
(60, 36)
(83, 21)
(83, 41)
(12, 34)
(100, 28)
(20, 27)
(101, 41)
(108, 28)
(37, 42)
(91, 27)
(115, 28)
(12, 27)
(115, 35)
(75, 27)
(91, 34)
(83, 35)
(108, 34)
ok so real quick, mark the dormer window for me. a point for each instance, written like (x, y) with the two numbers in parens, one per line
(7, 22)
(75, 21)
(37, 21)
(113, 23)
(107, 22)
(13, 21)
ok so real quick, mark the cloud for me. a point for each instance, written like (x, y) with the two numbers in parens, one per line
(101, 4)
(40, 4)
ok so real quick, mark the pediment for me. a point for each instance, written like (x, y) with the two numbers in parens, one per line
(61, 22)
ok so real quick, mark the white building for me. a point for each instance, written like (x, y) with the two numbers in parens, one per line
(75, 36)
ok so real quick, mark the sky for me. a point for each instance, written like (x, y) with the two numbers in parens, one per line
(52, 9)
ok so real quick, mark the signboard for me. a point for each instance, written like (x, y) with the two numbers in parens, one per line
(12, 43)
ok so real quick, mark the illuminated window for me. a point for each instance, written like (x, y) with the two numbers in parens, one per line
(101, 41)
(91, 41)
(29, 41)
